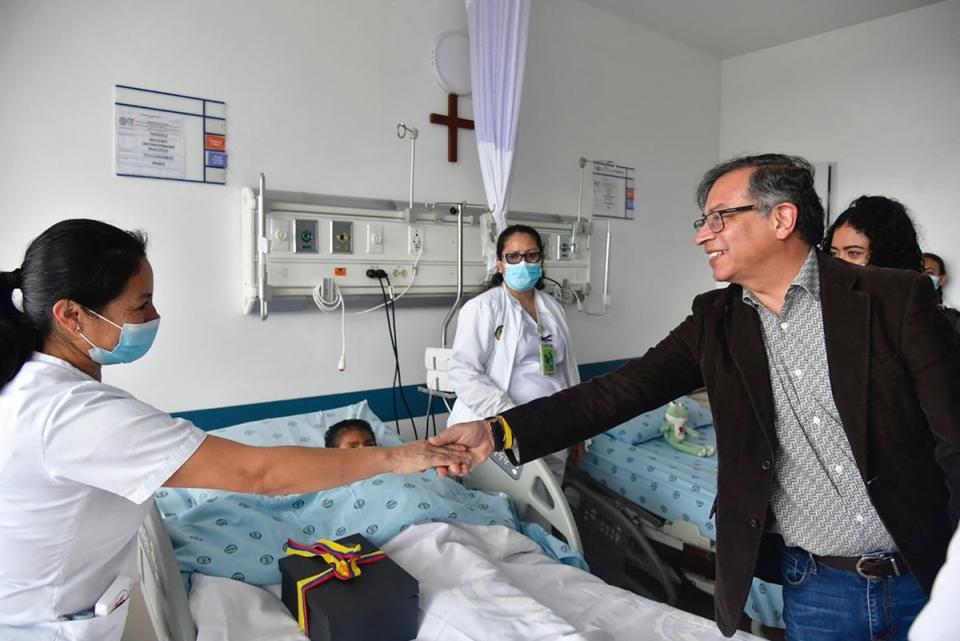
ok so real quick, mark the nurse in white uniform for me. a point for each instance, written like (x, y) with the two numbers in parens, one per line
(512, 343)
(80, 460)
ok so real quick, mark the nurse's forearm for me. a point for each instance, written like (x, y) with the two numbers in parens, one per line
(289, 470)
(226, 465)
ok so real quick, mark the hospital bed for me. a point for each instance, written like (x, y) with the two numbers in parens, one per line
(645, 511)
(476, 581)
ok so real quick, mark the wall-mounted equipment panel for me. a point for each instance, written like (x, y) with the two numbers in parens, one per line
(307, 238)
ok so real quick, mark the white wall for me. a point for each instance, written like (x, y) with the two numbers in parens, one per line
(314, 91)
(882, 99)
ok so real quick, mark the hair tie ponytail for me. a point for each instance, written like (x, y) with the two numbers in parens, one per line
(18, 338)
(10, 281)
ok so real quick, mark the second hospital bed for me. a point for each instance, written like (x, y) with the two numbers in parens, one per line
(644, 510)
(477, 581)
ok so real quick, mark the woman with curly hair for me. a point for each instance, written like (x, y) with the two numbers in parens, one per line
(875, 230)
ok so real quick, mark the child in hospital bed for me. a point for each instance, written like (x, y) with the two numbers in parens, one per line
(350, 433)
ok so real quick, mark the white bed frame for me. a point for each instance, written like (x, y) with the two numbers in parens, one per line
(521, 484)
(164, 599)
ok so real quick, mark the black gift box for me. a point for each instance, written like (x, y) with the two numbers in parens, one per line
(380, 604)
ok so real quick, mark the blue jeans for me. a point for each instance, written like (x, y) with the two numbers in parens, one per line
(822, 603)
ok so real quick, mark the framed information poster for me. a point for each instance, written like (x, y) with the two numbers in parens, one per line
(169, 136)
(613, 191)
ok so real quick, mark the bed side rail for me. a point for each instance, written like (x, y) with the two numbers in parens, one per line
(521, 484)
(163, 592)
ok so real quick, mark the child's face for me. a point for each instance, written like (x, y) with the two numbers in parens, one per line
(357, 438)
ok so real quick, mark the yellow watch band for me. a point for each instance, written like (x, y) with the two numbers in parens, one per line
(507, 434)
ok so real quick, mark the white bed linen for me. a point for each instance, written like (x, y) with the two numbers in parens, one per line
(476, 583)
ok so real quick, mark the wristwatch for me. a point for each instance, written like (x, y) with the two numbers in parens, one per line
(503, 440)
(496, 428)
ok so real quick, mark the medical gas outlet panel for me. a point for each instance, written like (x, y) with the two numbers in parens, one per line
(300, 241)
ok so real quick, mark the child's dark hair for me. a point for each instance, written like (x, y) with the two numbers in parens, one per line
(332, 437)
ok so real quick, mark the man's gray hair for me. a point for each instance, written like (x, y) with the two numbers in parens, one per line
(778, 179)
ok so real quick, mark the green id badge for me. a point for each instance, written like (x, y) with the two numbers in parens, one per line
(548, 359)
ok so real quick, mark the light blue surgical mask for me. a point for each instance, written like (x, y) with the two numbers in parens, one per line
(135, 341)
(936, 280)
(522, 276)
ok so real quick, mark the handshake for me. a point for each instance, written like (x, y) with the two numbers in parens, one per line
(454, 451)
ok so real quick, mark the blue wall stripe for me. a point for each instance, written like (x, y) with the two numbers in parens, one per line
(380, 401)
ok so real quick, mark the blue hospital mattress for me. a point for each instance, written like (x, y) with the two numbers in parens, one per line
(675, 486)
(657, 477)
(241, 536)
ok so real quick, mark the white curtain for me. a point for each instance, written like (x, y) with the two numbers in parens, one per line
(498, 51)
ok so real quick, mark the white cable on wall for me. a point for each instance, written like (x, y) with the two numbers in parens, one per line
(393, 299)
(328, 307)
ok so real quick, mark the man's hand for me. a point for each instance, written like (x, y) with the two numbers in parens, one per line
(420, 455)
(475, 436)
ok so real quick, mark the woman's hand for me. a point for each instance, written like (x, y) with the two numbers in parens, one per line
(420, 455)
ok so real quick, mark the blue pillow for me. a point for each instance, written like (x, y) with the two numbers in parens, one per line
(307, 429)
(646, 426)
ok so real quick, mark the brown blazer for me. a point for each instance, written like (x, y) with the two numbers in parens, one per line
(895, 372)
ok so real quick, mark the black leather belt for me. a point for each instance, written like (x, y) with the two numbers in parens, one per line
(869, 567)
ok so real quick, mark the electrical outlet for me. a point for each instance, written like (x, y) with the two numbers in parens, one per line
(416, 239)
(564, 250)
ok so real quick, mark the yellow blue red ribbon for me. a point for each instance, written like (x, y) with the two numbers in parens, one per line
(345, 562)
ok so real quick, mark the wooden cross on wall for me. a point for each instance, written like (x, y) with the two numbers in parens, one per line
(453, 122)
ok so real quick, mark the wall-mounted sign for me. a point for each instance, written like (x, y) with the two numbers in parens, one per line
(614, 192)
(169, 136)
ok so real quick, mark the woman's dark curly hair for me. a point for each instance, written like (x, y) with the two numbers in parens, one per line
(887, 224)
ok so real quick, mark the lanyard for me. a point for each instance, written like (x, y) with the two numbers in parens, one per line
(548, 353)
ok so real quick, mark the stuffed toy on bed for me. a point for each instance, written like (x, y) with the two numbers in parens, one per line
(675, 431)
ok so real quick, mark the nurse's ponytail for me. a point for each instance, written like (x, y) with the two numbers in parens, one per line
(85, 261)
(18, 338)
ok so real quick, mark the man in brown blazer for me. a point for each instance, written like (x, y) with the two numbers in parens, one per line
(834, 391)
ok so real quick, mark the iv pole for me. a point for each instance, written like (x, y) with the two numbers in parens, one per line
(573, 248)
(402, 132)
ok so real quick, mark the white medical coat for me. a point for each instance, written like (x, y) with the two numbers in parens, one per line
(482, 366)
(938, 621)
(79, 464)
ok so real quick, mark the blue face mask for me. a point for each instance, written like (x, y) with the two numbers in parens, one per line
(135, 341)
(522, 276)
(936, 281)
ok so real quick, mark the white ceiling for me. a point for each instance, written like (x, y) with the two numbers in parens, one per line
(727, 28)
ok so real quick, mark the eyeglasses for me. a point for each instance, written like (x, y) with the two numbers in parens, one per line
(714, 220)
(513, 258)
